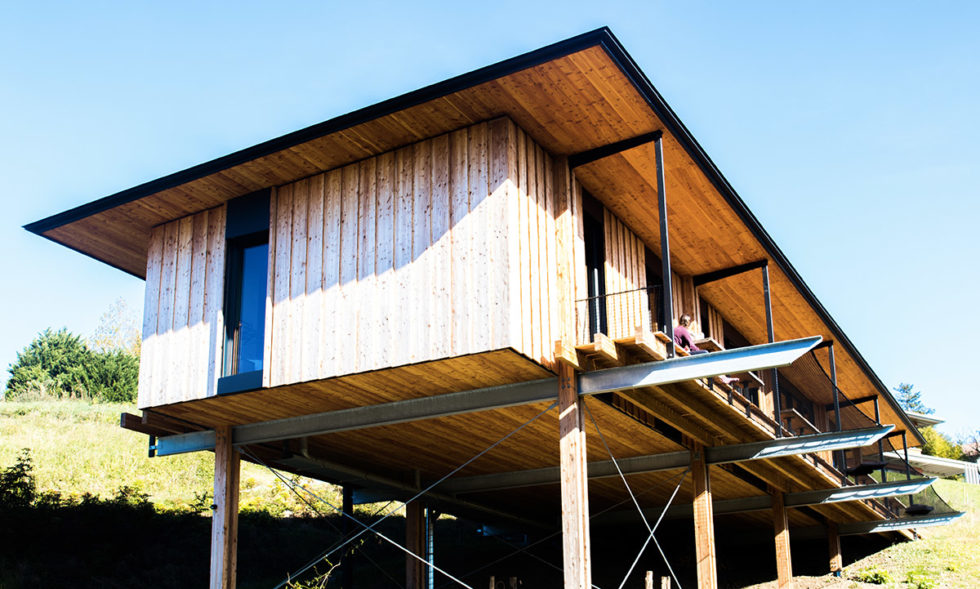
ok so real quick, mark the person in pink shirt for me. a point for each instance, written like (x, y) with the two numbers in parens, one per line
(683, 336)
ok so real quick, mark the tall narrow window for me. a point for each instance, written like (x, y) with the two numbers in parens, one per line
(248, 269)
(246, 286)
(595, 261)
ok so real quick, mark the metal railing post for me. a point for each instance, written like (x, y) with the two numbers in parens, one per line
(908, 468)
(833, 377)
(668, 301)
(881, 446)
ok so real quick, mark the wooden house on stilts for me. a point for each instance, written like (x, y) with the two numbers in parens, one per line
(500, 261)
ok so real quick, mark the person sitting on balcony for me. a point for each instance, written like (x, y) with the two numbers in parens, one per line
(684, 338)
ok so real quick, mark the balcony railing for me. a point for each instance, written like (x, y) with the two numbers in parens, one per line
(810, 401)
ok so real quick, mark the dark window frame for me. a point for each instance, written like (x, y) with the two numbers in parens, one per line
(246, 226)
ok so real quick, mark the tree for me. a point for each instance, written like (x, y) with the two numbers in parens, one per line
(59, 364)
(53, 365)
(118, 330)
(911, 400)
(939, 445)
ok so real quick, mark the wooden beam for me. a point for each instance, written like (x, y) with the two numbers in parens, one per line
(780, 523)
(574, 483)
(224, 519)
(414, 542)
(704, 525)
(833, 547)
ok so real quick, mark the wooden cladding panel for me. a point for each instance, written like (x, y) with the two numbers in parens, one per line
(182, 323)
(398, 259)
(625, 271)
(536, 271)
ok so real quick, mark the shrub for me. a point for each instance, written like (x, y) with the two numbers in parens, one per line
(873, 575)
(920, 580)
(17, 485)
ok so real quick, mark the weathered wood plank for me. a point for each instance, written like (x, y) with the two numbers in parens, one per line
(297, 281)
(389, 307)
(462, 244)
(503, 299)
(442, 251)
(330, 297)
(480, 235)
(403, 249)
(418, 293)
(197, 356)
(151, 305)
(165, 318)
(313, 307)
(347, 314)
(367, 327)
(214, 297)
(178, 366)
(281, 351)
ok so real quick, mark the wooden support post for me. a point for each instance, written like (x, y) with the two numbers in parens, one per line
(415, 542)
(648, 580)
(833, 545)
(574, 483)
(224, 518)
(780, 522)
(704, 525)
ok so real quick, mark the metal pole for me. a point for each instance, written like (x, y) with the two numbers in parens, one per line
(668, 292)
(842, 464)
(777, 404)
(430, 546)
(881, 447)
(908, 469)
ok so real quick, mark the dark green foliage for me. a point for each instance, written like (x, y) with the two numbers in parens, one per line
(17, 486)
(911, 400)
(58, 364)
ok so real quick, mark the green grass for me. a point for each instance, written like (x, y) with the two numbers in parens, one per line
(78, 448)
(946, 556)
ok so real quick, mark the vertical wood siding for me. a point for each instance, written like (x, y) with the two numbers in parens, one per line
(182, 309)
(409, 256)
(536, 176)
(625, 270)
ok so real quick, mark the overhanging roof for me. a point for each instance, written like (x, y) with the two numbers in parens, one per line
(573, 96)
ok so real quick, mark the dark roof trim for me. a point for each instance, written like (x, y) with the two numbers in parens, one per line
(392, 105)
(629, 67)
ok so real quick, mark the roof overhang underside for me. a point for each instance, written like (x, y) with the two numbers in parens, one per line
(573, 96)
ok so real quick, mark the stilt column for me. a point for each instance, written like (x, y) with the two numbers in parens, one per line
(704, 525)
(415, 542)
(224, 519)
(833, 548)
(780, 522)
(574, 483)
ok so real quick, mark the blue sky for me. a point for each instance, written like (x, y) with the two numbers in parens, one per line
(850, 129)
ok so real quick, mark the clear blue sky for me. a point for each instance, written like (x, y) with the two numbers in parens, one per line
(850, 129)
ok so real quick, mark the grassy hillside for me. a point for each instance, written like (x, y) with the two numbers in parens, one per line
(79, 448)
